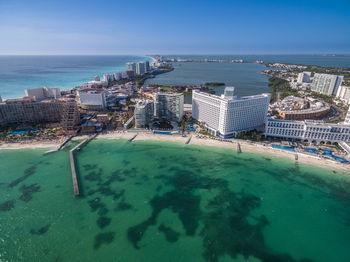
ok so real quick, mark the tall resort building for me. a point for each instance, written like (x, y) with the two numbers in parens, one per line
(141, 68)
(326, 84)
(226, 115)
(131, 67)
(144, 110)
(304, 77)
(347, 118)
(169, 106)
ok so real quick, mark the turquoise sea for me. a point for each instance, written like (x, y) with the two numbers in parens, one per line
(24, 72)
(157, 201)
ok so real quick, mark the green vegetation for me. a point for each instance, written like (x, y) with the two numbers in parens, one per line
(253, 135)
(214, 84)
(328, 70)
(327, 99)
(205, 133)
(167, 88)
(209, 91)
(281, 86)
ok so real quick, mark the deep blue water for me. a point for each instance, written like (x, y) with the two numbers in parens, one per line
(22, 72)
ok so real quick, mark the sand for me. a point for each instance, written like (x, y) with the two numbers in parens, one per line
(196, 140)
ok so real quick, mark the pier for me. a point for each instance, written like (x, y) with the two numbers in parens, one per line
(239, 150)
(72, 164)
(188, 140)
(131, 139)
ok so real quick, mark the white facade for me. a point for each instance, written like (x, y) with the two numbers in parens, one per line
(43, 92)
(131, 67)
(141, 68)
(344, 93)
(326, 84)
(117, 76)
(307, 130)
(347, 118)
(124, 74)
(225, 116)
(92, 99)
(169, 106)
(143, 113)
(304, 77)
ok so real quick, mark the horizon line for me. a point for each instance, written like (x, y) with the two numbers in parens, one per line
(176, 54)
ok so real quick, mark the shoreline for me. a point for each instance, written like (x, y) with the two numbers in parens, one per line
(246, 146)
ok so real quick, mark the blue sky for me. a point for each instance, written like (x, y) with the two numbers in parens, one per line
(174, 27)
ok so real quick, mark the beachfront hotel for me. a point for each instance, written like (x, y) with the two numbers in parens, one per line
(131, 66)
(326, 84)
(308, 130)
(169, 106)
(43, 92)
(227, 115)
(27, 110)
(144, 110)
(92, 99)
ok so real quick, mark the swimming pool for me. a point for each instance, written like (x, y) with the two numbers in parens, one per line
(288, 148)
(311, 150)
(329, 153)
(162, 133)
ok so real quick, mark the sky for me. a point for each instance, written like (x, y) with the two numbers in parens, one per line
(174, 27)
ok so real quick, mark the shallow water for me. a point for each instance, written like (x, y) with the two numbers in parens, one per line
(156, 201)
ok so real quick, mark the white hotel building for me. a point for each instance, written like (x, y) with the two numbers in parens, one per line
(308, 130)
(226, 115)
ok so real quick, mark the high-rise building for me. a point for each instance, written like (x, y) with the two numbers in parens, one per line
(27, 110)
(143, 113)
(147, 66)
(70, 116)
(304, 77)
(169, 106)
(141, 68)
(326, 84)
(131, 67)
(344, 93)
(227, 115)
(347, 118)
(43, 92)
(92, 99)
(117, 76)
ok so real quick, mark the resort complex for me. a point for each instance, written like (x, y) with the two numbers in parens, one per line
(226, 115)
(311, 108)
(308, 130)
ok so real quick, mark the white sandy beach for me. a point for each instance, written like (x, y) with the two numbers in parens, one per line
(29, 145)
(245, 147)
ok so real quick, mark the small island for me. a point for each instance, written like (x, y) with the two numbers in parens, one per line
(214, 84)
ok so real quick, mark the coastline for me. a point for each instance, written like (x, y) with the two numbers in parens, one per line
(246, 146)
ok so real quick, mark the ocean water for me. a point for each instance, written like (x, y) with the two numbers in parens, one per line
(156, 201)
(23, 72)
